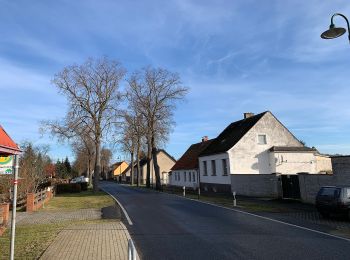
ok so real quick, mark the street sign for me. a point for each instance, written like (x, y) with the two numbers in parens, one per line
(6, 165)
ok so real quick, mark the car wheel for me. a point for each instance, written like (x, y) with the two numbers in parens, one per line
(349, 214)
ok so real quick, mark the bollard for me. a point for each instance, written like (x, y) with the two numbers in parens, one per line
(234, 199)
(131, 250)
(184, 193)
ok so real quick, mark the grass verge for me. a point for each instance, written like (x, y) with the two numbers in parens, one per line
(83, 200)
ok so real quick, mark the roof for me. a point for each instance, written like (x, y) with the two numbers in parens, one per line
(231, 135)
(7, 145)
(189, 160)
(292, 149)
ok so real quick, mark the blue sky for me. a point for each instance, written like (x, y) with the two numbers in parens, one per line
(235, 56)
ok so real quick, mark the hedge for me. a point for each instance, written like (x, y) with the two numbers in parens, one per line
(68, 188)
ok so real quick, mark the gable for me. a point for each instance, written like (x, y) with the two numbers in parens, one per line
(231, 135)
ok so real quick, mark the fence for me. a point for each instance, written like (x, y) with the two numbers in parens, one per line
(37, 200)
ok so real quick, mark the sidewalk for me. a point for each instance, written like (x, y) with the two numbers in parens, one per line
(104, 240)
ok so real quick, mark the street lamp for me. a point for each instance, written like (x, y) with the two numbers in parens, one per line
(335, 32)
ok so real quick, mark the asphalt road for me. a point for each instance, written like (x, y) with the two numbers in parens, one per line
(170, 227)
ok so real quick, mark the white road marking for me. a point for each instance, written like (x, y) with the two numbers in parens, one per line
(266, 218)
(121, 206)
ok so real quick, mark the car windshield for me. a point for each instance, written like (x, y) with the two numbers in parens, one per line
(331, 192)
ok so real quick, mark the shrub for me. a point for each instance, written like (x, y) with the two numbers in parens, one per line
(68, 188)
(84, 186)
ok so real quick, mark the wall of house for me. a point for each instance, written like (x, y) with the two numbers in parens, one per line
(219, 178)
(122, 167)
(165, 164)
(323, 164)
(249, 157)
(256, 185)
(293, 162)
(177, 178)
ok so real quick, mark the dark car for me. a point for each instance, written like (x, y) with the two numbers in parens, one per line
(333, 200)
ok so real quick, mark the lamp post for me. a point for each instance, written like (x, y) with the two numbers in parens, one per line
(335, 32)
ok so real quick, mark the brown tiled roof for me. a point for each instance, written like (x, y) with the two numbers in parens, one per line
(7, 145)
(189, 160)
(292, 149)
(231, 135)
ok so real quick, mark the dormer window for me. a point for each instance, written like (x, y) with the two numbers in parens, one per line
(262, 139)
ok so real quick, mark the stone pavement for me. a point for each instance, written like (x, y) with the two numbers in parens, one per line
(101, 236)
(105, 240)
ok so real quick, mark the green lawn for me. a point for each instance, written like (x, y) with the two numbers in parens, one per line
(83, 200)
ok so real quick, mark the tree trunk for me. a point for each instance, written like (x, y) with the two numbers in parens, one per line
(156, 166)
(89, 174)
(149, 157)
(132, 169)
(138, 163)
(97, 169)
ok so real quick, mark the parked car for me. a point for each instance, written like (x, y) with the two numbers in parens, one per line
(333, 200)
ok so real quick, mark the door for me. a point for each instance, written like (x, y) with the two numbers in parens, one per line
(290, 186)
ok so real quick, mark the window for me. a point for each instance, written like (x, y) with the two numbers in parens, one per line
(194, 178)
(205, 168)
(262, 139)
(178, 176)
(224, 166)
(184, 176)
(189, 176)
(213, 168)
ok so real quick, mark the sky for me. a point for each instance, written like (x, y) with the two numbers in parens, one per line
(235, 56)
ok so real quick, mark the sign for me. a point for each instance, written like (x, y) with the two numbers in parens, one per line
(6, 165)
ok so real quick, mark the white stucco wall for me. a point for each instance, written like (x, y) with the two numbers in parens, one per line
(220, 178)
(293, 162)
(249, 157)
(174, 181)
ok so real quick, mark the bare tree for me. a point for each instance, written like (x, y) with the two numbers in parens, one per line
(93, 99)
(154, 93)
(106, 156)
(132, 139)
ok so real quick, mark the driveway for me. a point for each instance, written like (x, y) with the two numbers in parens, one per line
(165, 226)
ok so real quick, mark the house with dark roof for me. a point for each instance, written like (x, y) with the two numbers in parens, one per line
(256, 145)
(185, 171)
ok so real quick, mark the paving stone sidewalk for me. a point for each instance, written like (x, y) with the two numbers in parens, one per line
(90, 241)
(98, 240)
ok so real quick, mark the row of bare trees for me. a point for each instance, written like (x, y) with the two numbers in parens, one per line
(141, 115)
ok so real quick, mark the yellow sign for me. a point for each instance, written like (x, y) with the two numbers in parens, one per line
(6, 164)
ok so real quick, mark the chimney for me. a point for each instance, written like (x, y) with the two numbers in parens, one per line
(204, 138)
(247, 115)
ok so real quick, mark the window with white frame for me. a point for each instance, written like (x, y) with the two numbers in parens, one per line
(262, 139)
(224, 167)
(205, 169)
(194, 177)
(213, 168)
(184, 176)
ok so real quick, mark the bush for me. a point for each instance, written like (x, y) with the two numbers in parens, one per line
(84, 186)
(68, 188)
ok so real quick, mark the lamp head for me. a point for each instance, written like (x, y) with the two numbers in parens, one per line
(333, 32)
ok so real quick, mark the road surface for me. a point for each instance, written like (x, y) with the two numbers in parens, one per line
(165, 226)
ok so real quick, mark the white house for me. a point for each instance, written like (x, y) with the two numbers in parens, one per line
(257, 144)
(185, 171)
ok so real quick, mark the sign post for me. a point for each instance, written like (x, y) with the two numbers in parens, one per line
(14, 207)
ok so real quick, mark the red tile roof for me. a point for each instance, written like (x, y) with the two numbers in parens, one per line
(7, 145)
(189, 160)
